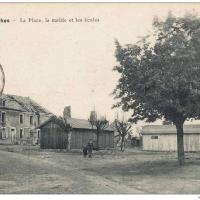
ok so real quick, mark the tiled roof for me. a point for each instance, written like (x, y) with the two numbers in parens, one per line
(26, 103)
(83, 124)
(169, 129)
(76, 123)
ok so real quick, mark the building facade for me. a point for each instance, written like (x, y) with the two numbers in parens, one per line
(18, 118)
(164, 138)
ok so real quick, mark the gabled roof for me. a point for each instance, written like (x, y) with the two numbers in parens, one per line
(75, 123)
(26, 103)
(169, 129)
(52, 118)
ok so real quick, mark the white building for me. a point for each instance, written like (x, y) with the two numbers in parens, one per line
(164, 138)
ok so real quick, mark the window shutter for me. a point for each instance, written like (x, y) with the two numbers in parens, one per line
(3, 133)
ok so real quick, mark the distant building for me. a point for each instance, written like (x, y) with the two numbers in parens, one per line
(18, 118)
(164, 137)
(54, 137)
(136, 141)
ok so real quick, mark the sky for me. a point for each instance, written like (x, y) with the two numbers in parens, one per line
(70, 63)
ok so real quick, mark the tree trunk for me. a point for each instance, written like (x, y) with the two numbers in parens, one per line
(67, 142)
(97, 141)
(180, 143)
(122, 143)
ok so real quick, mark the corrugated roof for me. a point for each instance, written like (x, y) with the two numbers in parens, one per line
(169, 129)
(26, 103)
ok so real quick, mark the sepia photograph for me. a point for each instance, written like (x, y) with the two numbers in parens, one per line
(100, 98)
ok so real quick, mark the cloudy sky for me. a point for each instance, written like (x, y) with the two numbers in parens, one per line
(70, 63)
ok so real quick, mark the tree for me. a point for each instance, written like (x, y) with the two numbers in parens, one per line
(66, 127)
(160, 78)
(167, 122)
(99, 124)
(123, 129)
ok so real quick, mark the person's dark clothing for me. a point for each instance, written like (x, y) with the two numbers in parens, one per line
(90, 148)
(85, 151)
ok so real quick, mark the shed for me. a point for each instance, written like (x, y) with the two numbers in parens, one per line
(54, 137)
(164, 137)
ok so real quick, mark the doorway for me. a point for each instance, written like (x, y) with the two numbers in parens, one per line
(13, 135)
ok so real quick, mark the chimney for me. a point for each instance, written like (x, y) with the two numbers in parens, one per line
(67, 112)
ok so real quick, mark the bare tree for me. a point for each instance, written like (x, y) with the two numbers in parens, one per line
(99, 124)
(123, 129)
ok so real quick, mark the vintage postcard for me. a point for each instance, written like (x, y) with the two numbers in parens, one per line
(99, 98)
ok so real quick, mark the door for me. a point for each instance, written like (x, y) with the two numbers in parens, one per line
(13, 135)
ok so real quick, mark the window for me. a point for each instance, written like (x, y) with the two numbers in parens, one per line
(38, 132)
(21, 133)
(4, 133)
(3, 117)
(3, 103)
(31, 120)
(154, 137)
(21, 119)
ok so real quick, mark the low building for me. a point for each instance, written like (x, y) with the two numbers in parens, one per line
(54, 137)
(164, 138)
(18, 118)
(136, 141)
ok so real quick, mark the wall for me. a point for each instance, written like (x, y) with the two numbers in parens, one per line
(13, 121)
(52, 137)
(80, 137)
(169, 142)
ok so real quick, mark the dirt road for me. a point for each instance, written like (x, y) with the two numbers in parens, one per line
(28, 174)
(30, 170)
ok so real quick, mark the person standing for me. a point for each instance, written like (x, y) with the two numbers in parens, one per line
(85, 151)
(90, 148)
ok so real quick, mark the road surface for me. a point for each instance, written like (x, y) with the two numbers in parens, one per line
(21, 173)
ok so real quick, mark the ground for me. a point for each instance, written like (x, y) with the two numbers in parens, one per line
(30, 170)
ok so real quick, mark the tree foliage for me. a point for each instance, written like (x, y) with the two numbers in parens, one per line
(167, 122)
(160, 77)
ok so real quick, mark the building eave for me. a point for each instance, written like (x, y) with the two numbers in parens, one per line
(7, 108)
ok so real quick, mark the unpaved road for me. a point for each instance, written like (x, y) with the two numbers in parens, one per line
(28, 174)
(108, 172)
